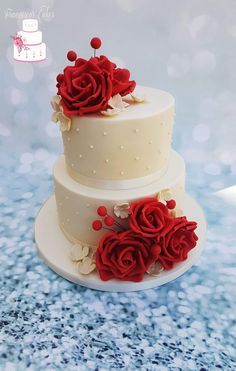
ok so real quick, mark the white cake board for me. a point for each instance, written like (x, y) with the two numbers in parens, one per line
(54, 249)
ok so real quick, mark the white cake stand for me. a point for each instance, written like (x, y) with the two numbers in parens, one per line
(54, 249)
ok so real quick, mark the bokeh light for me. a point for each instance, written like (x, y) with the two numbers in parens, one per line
(203, 28)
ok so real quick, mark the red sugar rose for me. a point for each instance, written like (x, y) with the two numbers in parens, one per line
(86, 88)
(119, 76)
(125, 255)
(176, 244)
(121, 83)
(150, 218)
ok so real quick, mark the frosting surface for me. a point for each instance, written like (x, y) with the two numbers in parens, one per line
(133, 144)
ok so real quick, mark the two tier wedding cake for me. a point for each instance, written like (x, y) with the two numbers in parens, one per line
(119, 187)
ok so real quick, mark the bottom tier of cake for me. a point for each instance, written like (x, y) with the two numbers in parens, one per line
(30, 53)
(54, 248)
(77, 204)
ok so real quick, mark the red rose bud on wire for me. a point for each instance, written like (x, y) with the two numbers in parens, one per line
(171, 204)
(95, 42)
(109, 221)
(102, 211)
(71, 56)
(60, 78)
(97, 225)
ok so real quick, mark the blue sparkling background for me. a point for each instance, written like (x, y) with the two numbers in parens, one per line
(47, 323)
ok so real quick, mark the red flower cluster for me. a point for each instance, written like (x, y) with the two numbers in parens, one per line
(87, 86)
(125, 255)
(152, 235)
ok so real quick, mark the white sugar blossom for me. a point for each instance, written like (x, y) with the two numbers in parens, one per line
(122, 210)
(116, 104)
(58, 114)
(86, 266)
(83, 256)
(78, 252)
(155, 268)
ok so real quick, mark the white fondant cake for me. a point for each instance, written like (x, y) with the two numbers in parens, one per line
(119, 187)
(134, 144)
(28, 45)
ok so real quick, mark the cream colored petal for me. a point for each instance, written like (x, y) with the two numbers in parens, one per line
(55, 102)
(86, 266)
(65, 121)
(54, 116)
(138, 98)
(155, 269)
(178, 212)
(160, 198)
(167, 195)
(111, 112)
(115, 101)
(78, 252)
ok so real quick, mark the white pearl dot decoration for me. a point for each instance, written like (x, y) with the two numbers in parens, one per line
(80, 156)
(107, 161)
(136, 131)
(72, 165)
(68, 139)
(91, 146)
(77, 129)
(137, 158)
(121, 146)
(105, 133)
(94, 172)
(150, 141)
(122, 173)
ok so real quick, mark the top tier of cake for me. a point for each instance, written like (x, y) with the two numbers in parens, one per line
(120, 151)
(30, 34)
(30, 25)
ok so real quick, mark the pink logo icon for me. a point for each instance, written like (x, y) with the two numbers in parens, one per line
(28, 45)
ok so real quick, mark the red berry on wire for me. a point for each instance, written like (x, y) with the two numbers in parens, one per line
(95, 43)
(109, 221)
(60, 78)
(97, 225)
(171, 204)
(71, 56)
(102, 211)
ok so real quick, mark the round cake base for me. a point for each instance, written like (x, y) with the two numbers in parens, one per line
(54, 249)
